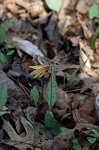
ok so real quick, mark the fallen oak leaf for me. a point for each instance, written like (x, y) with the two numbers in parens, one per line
(19, 141)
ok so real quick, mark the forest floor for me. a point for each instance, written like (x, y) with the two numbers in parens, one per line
(49, 75)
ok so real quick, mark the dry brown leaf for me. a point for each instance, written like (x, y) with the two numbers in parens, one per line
(30, 113)
(19, 141)
(13, 90)
(62, 103)
(82, 22)
(1, 10)
(63, 100)
(85, 113)
(26, 62)
(37, 9)
(82, 6)
(96, 103)
(95, 89)
(86, 55)
(10, 5)
(26, 47)
(87, 85)
(81, 117)
(65, 15)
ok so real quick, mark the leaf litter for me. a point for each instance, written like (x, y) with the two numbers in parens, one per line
(63, 106)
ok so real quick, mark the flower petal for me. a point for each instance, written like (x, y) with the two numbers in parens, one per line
(42, 73)
(36, 67)
(37, 75)
(40, 70)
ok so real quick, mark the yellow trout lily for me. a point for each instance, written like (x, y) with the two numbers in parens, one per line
(39, 70)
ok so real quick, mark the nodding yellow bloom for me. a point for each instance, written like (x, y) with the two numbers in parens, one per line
(39, 70)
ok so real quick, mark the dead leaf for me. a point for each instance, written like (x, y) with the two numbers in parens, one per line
(62, 100)
(37, 9)
(96, 103)
(87, 85)
(16, 140)
(1, 10)
(87, 32)
(95, 89)
(82, 6)
(30, 113)
(13, 89)
(26, 46)
(85, 112)
(86, 55)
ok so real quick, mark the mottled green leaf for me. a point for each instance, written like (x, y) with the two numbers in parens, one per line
(52, 90)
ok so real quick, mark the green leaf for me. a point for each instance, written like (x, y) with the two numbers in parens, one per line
(76, 145)
(93, 11)
(52, 90)
(51, 124)
(54, 4)
(3, 113)
(93, 38)
(93, 135)
(3, 30)
(72, 77)
(91, 140)
(64, 129)
(65, 116)
(95, 132)
(35, 95)
(3, 97)
(2, 58)
(10, 52)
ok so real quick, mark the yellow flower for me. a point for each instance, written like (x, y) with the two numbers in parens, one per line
(39, 70)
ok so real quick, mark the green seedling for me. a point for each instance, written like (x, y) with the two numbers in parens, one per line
(94, 38)
(35, 95)
(72, 77)
(75, 144)
(93, 136)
